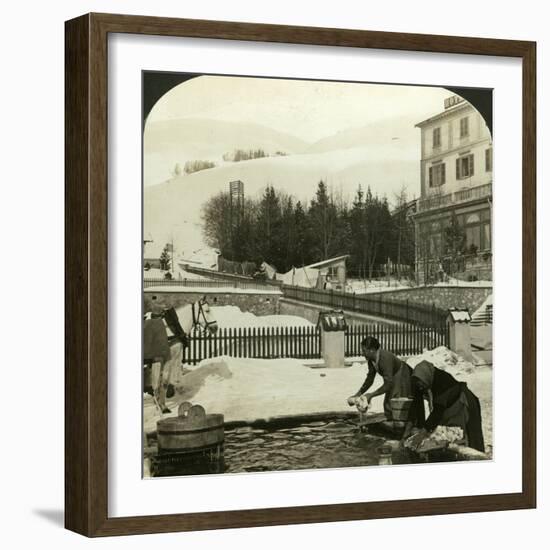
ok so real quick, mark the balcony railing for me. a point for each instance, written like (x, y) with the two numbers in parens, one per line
(465, 195)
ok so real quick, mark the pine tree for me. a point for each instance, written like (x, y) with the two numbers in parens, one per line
(268, 228)
(322, 215)
(302, 249)
(165, 259)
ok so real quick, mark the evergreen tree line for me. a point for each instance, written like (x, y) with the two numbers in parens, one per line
(286, 233)
(239, 155)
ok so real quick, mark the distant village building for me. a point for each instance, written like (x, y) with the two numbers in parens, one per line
(456, 171)
(151, 254)
(331, 274)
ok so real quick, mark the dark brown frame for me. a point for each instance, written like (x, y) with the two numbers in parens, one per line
(86, 274)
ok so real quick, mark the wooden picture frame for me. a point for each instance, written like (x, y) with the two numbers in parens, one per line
(86, 278)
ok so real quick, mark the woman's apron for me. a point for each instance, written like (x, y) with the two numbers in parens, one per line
(401, 387)
(456, 414)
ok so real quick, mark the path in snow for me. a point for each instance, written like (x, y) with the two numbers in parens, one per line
(232, 316)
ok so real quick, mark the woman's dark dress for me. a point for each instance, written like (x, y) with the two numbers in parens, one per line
(397, 381)
(453, 405)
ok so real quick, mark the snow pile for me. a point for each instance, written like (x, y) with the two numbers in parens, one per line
(442, 358)
(366, 287)
(233, 317)
(205, 257)
(249, 389)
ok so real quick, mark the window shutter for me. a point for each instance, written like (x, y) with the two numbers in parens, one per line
(471, 165)
(431, 176)
(457, 169)
(442, 173)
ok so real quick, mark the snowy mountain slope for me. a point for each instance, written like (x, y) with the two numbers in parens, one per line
(168, 142)
(173, 209)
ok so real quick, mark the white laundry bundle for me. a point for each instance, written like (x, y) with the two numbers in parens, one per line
(362, 404)
(448, 434)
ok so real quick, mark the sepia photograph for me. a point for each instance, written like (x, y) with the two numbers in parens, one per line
(317, 274)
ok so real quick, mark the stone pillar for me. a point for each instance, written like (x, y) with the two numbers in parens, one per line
(460, 340)
(332, 349)
(332, 325)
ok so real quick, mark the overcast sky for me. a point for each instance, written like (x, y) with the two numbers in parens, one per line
(310, 110)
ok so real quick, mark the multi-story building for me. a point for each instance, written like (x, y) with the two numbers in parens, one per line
(456, 186)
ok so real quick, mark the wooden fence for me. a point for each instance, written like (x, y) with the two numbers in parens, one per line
(222, 276)
(400, 310)
(305, 342)
(203, 283)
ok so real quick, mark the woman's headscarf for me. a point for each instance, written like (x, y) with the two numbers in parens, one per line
(424, 371)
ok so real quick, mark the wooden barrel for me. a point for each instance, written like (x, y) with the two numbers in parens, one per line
(192, 431)
(400, 408)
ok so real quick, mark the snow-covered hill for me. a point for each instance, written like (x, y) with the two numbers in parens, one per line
(172, 210)
(168, 142)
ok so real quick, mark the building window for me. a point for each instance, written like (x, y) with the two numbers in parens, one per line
(464, 127)
(478, 230)
(436, 137)
(488, 160)
(437, 175)
(465, 167)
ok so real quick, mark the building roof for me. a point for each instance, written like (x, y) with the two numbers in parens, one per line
(443, 114)
(328, 262)
(460, 315)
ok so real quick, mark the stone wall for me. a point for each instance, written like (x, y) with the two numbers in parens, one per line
(261, 303)
(444, 297)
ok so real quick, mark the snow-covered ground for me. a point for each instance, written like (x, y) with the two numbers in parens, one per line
(205, 257)
(211, 290)
(451, 281)
(233, 317)
(179, 274)
(154, 273)
(249, 389)
(383, 285)
(182, 274)
(482, 335)
(481, 309)
(366, 286)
